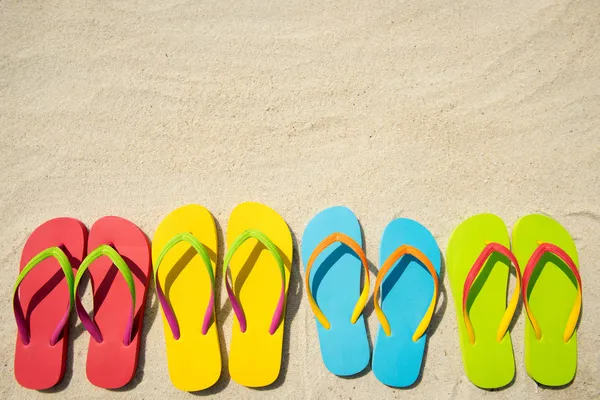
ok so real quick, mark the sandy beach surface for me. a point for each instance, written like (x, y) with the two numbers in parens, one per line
(433, 110)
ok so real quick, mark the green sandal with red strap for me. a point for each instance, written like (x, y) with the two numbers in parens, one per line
(478, 261)
(551, 298)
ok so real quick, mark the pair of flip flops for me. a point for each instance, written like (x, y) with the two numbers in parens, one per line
(256, 270)
(332, 251)
(54, 260)
(479, 257)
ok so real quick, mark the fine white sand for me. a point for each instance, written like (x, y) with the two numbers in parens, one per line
(434, 110)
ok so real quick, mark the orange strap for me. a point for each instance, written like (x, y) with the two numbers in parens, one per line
(364, 296)
(387, 265)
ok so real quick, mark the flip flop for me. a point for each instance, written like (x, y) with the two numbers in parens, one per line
(44, 289)
(410, 262)
(115, 246)
(551, 296)
(478, 264)
(184, 250)
(257, 291)
(334, 258)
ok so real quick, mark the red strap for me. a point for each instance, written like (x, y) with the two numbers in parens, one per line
(487, 251)
(542, 249)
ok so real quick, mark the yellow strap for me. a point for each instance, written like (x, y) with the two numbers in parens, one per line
(364, 296)
(387, 265)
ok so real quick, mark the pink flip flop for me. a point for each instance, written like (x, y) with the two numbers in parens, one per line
(42, 300)
(119, 265)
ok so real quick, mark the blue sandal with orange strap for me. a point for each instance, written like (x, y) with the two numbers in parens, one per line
(410, 263)
(334, 259)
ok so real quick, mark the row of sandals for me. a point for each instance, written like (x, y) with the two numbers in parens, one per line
(182, 260)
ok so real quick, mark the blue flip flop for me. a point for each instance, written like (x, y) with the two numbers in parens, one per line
(410, 264)
(333, 258)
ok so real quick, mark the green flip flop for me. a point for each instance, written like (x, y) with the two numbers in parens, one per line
(478, 263)
(551, 296)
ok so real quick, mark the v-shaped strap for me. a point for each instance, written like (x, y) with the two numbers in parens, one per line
(487, 251)
(65, 265)
(542, 249)
(235, 303)
(166, 306)
(387, 265)
(87, 321)
(364, 296)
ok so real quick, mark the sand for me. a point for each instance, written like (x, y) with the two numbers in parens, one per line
(432, 110)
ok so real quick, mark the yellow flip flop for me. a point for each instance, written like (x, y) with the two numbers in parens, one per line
(184, 255)
(551, 298)
(259, 257)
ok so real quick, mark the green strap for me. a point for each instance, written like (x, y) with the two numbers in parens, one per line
(196, 244)
(261, 237)
(63, 260)
(88, 323)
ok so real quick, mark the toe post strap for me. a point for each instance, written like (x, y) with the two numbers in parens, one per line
(22, 324)
(364, 296)
(534, 260)
(485, 254)
(390, 262)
